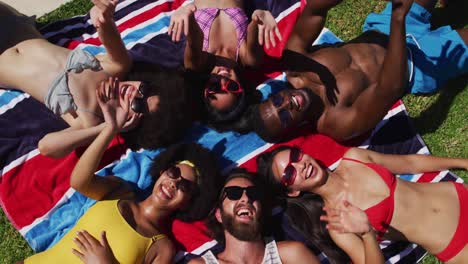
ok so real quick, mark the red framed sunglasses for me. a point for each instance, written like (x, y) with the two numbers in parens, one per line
(289, 174)
(218, 83)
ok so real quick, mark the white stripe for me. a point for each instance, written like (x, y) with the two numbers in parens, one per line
(247, 157)
(19, 161)
(46, 216)
(13, 102)
(198, 251)
(440, 176)
(323, 32)
(282, 77)
(288, 11)
(402, 254)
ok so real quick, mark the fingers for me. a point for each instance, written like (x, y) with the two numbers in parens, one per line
(278, 34)
(267, 38)
(261, 34)
(78, 254)
(104, 241)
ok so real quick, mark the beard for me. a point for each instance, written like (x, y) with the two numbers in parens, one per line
(242, 231)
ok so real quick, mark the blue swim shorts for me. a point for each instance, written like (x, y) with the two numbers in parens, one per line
(434, 56)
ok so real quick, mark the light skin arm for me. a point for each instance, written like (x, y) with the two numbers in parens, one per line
(115, 109)
(292, 252)
(61, 143)
(309, 25)
(412, 163)
(117, 61)
(374, 102)
(352, 232)
(252, 55)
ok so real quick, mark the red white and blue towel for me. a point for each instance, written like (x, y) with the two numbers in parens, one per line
(34, 190)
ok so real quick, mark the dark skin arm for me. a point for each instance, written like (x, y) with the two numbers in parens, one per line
(374, 102)
(309, 25)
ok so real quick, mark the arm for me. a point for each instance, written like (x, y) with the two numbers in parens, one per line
(309, 25)
(350, 229)
(373, 103)
(295, 252)
(59, 144)
(261, 30)
(118, 61)
(115, 109)
(412, 163)
(162, 251)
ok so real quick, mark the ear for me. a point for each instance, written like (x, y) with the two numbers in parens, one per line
(292, 193)
(218, 216)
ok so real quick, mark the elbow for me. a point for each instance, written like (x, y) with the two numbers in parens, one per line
(47, 150)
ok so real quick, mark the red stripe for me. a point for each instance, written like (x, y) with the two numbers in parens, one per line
(428, 176)
(32, 189)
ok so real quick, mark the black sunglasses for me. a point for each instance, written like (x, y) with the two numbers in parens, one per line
(184, 185)
(284, 115)
(234, 193)
(139, 104)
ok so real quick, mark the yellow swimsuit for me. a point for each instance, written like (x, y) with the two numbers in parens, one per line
(128, 245)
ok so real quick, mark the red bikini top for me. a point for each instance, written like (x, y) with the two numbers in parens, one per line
(380, 215)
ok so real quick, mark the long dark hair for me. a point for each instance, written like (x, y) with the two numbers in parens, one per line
(303, 212)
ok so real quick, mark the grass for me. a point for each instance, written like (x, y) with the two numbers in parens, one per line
(440, 118)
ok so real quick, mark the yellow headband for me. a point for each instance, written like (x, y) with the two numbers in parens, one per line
(189, 163)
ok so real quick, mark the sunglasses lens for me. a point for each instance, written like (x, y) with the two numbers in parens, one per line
(144, 89)
(285, 118)
(295, 155)
(277, 100)
(233, 86)
(233, 192)
(289, 176)
(254, 193)
(185, 185)
(173, 172)
(139, 105)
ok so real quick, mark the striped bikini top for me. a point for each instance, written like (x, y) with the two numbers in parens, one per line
(271, 255)
(206, 16)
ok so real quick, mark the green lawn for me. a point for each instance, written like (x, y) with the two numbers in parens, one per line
(441, 118)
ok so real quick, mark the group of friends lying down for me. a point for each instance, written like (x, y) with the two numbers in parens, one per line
(341, 90)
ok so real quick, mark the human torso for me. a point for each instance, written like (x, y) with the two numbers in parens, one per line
(128, 245)
(271, 255)
(224, 37)
(417, 207)
(346, 71)
(32, 65)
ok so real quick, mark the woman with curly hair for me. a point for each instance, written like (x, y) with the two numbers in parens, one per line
(220, 42)
(65, 81)
(397, 209)
(136, 228)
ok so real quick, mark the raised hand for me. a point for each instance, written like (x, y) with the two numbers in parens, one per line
(180, 21)
(92, 251)
(102, 12)
(267, 28)
(114, 105)
(401, 7)
(347, 218)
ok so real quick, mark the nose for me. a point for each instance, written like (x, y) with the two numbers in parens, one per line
(244, 198)
(299, 167)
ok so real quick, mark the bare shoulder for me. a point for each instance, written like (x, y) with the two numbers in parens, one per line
(161, 251)
(295, 252)
(357, 154)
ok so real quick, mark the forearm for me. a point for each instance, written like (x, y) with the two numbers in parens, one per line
(83, 173)
(394, 75)
(59, 144)
(426, 163)
(112, 41)
(372, 252)
(194, 56)
(254, 52)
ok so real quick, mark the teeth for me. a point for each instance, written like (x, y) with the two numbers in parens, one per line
(166, 192)
(242, 212)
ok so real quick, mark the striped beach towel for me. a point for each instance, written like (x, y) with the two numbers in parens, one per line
(34, 190)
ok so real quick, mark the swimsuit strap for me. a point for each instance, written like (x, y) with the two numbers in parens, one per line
(158, 237)
(355, 160)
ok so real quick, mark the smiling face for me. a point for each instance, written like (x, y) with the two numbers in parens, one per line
(240, 218)
(298, 174)
(175, 186)
(284, 110)
(222, 100)
(141, 101)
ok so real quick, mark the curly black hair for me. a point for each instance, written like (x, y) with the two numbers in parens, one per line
(209, 179)
(215, 229)
(303, 212)
(173, 117)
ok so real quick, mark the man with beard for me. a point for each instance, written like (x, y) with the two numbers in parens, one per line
(344, 90)
(237, 223)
